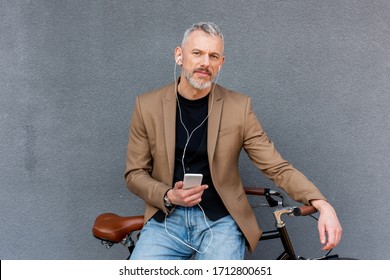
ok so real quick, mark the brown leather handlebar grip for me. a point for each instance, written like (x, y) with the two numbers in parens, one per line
(304, 210)
(255, 191)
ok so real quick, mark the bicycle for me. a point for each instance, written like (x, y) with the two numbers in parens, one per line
(112, 229)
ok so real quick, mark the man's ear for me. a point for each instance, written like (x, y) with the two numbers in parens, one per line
(178, 56)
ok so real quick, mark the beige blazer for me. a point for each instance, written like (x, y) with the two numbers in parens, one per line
(232, 126)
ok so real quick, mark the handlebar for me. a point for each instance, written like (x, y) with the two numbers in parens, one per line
(260, 191)
(296, 211)
(255, 191)
(304, 210)
(268, 193)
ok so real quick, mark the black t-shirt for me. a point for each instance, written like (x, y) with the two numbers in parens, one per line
(193, 114)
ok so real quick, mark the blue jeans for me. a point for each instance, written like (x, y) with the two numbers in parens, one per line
(218, 240)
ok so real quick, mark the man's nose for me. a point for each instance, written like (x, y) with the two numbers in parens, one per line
(205, 60)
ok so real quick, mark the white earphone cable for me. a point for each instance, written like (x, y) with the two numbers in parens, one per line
(186, 244)
(189, 135)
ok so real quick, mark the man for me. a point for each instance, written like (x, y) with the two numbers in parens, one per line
(196, 126)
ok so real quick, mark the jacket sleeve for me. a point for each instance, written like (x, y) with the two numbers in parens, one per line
(264, 155)
(139, 163)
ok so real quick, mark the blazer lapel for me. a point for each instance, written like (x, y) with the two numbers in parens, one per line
(169, 115)
(215, 105)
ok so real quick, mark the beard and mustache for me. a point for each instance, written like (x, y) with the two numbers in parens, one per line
(194, 83)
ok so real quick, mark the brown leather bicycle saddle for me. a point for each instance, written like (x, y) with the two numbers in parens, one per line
(114, 228)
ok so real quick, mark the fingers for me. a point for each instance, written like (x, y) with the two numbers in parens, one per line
(322, 233)
(330, 233)
(187, 197)
(192, 200)
(333, 238)
(329, 227)
(193, 196)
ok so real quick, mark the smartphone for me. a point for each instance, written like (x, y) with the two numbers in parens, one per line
(192, 180)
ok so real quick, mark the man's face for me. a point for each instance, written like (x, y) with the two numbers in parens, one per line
(202, 55)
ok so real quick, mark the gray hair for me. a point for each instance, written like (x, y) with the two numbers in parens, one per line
(207, 27)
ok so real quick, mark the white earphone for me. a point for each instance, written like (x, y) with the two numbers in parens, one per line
(178, 60)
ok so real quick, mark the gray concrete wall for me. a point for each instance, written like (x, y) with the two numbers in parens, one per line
(318, 73)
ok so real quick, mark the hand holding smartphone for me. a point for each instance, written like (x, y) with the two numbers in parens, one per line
(192, 180)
